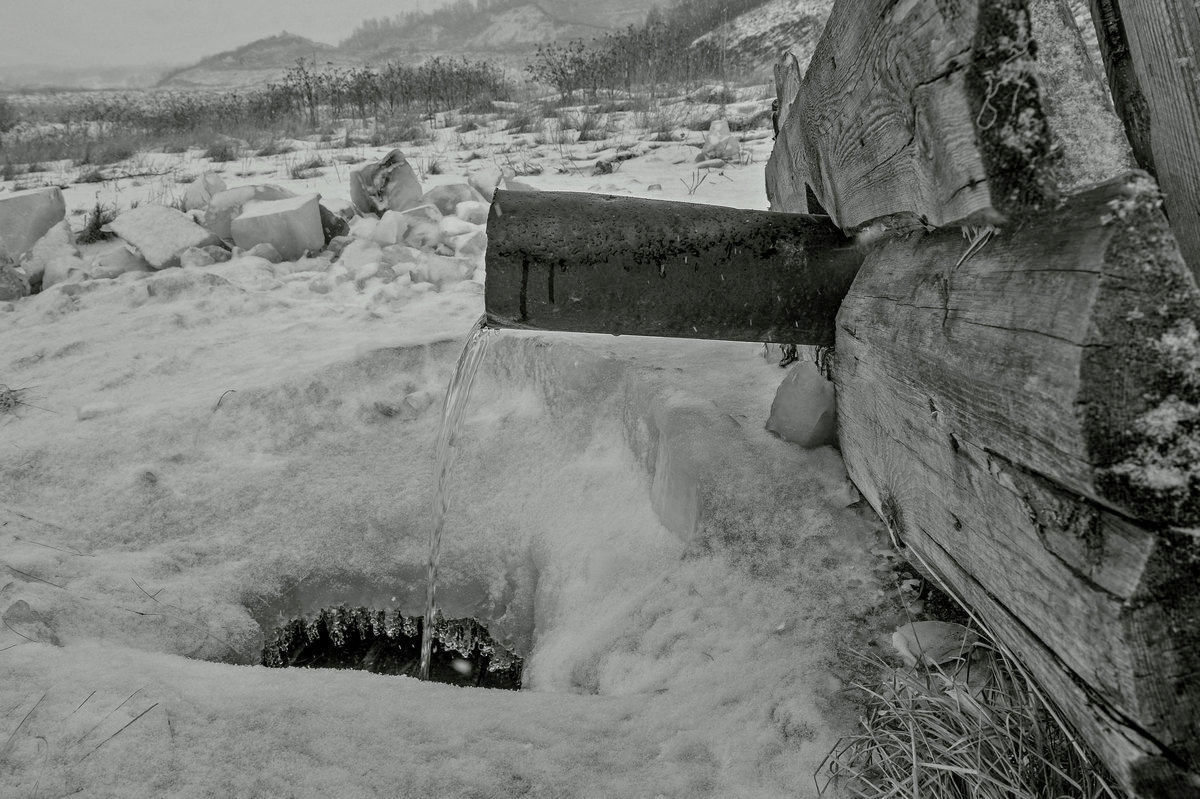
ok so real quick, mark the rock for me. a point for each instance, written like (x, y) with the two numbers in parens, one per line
(446, 198)
(25, 216)
(387, 184)
(391, 229)
(440, 270)
(332, 225)
(804, 411)
(719, 143)
(160, 234)
(336, 246)
(194, 257)
(292, 226)
(13, 283)
(266, 251)
(117, 262)
(54, 258)
(470, 245)
(474, 212)
(201, 190)
(226, 206)
(654, 187)
(485, 180)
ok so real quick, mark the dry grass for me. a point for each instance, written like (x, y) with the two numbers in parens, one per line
(981, 730)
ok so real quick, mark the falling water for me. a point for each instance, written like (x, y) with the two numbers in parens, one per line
(453, 409)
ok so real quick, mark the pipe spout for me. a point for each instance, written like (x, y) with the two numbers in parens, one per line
(590, 263)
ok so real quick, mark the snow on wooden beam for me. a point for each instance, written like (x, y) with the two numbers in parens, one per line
(1025, 420)
(1152, 54)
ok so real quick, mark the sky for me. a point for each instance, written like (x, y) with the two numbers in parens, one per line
(112, 33)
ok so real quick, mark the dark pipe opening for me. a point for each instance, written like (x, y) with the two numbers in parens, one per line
(341, 637)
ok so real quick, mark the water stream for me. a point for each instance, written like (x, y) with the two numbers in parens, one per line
(454, 408)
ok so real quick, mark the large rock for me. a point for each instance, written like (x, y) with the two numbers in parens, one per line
(25, 216)
(160, 234)
(332, 224)
(226, 206)
(54, 258)
(292, 226)
(446, 198)
(387, 184)
(201, 190)
(804, 411)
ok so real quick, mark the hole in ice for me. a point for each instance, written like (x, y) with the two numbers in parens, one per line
(384, 642)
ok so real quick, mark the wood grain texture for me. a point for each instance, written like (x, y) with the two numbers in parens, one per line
(983, 409)
(1164, 48)
(925, 110)
(785, 185)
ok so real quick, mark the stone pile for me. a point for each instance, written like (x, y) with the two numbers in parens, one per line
(391, 231)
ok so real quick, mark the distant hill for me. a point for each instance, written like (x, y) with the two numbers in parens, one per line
(251, 64)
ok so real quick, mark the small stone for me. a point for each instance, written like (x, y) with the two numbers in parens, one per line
(332, 224)
(201, 190)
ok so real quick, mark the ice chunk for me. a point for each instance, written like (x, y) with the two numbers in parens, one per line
(485, 180)
(474, 212)
(117, 262)
(423, 227)
(196, 256)
(292, 226)
(391, 228)
(226, 206)
(387, 184)
(266, 251)
(804, 411)
(440, 270)
(446, 198)
(160, 234)
(25, 216)
(470, 245)
(201, 190)
(719, 143)
(54, 259)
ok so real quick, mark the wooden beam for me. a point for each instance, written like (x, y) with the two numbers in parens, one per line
(785, 185)
(1153, 47)
(592, 263)
(1025, 420)
(921, 110)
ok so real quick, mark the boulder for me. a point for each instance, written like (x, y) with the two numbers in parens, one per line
(804, 411)
(387, 184)
(226, 206)
(160, 234)
(391, 229)
(25, 216)
(54, 258)
(485, 180)
(292, 226)
(13, 283)
(719, 143)
(446, 198)
(474, 212)
(201, 190)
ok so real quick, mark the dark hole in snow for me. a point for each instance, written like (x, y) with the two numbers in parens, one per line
(386, 642)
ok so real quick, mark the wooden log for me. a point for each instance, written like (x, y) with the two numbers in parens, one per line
(592, 263)
(785, 185)
(921, 111)
(1158, 41)
(1026, 420)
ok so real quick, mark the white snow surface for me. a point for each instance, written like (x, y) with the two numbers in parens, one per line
(204, 451)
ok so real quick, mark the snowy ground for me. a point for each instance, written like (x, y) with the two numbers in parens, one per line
(203, 449)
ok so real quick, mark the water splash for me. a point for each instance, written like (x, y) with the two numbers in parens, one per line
(453, 410)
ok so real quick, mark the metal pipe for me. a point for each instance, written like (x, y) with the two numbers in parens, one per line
(593, 263)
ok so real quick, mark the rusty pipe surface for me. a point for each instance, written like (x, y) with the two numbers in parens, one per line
(591, 263)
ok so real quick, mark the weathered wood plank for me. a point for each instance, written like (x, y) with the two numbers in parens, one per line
(924, 110)
(1154, 46)
(1002, 413)
(785, 185)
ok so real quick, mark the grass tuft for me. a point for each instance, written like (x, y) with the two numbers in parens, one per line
(221, 152)
(93, 224)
